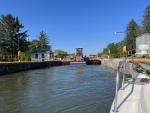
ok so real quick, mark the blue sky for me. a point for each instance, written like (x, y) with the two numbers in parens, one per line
(69, 24)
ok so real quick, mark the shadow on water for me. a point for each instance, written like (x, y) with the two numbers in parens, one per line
(63, 89)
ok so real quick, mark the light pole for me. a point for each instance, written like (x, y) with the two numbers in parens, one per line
(18, 36)
(126, 41)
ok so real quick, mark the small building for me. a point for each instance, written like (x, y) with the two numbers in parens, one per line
(143, 40)
(41, 55)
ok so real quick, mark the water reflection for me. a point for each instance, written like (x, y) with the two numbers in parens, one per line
(11, 95)
(63, 89)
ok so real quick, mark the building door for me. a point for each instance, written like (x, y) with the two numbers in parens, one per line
(42, 55)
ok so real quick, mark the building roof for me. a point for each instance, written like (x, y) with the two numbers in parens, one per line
(40, 50)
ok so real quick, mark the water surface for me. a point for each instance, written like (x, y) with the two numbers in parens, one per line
(63, 89)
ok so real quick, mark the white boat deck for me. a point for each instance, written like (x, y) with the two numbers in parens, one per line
(135, 98)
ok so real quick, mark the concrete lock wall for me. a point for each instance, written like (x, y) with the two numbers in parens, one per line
(22, 66)
(113, 63)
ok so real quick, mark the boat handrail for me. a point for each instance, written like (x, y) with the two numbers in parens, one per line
(123, 62)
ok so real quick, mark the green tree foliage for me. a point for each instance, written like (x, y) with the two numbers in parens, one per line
(146, 21)
(99, 54)
(120, 45)
(60, 53)
(10, 35)
(34, 44)
(41, 42)
(105, 50)
(44, 41)
(132, 32)
(112, 47)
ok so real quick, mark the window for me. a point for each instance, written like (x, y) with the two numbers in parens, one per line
(36, 55)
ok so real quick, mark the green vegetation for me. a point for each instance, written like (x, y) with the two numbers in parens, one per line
(12, 40)
(146, 22)
(60, 54)
(10, 28)
(41, 42)
(132, 31)
(44, 41)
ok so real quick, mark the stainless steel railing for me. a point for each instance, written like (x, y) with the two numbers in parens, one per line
(121, 64)
(117, 84)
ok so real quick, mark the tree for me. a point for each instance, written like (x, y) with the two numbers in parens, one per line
(120, 45)
(146, 21)
(112, 47)
(60, 53)
(44, 41)
(105, 50)
(99, 54)
(34, 44)
(132, 32)
(10, 35)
